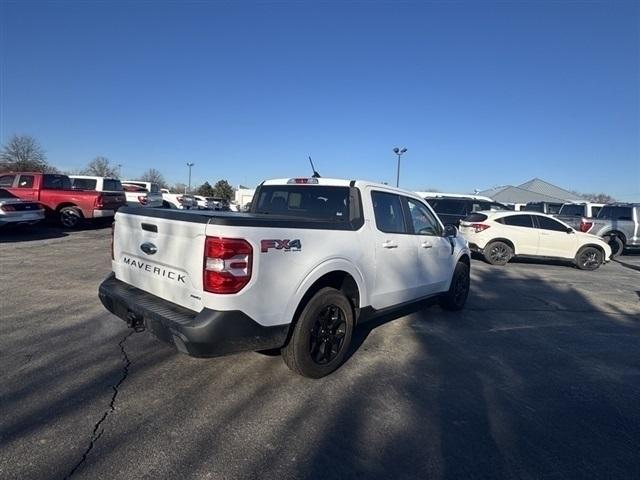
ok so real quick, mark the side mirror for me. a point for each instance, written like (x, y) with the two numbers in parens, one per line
(570, 230)
(450, 231)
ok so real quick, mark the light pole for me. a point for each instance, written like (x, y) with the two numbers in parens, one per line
(119, 170)
(398, 152)
(190, 165)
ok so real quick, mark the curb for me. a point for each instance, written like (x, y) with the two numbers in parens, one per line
(627, 265)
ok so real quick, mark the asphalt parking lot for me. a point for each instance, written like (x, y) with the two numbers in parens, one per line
(538, 378)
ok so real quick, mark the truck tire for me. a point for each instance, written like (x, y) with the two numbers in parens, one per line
(498, 253)
(616, 243)
(589, 258)
(458, 292)
(321, 336)
(70, 217)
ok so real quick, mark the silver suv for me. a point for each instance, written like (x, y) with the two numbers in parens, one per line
(618, 223)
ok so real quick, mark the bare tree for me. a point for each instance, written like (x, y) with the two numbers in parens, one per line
(153, 175)
(599, 197)
(595, 197)
(23, 153)
(100, 167)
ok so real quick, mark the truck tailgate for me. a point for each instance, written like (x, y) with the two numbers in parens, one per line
(161, 256)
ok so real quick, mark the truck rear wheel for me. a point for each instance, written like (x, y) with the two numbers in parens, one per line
(616, 244)
(70, 217)
(321, 336)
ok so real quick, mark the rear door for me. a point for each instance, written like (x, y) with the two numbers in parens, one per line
(554, 241)
(521, 230)
(26, 187)
(161, 256)
(435, 257)
(398, 276)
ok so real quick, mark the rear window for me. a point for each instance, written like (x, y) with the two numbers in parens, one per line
(616, 213)
(56, 182)
(517, 221)
(476, 217)
(133, 188)
(572, 210)
(448, 206)
(534, 207)
(84, 183)
(316, 202)
(111, 185)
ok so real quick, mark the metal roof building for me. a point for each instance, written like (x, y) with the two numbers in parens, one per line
(535, 190)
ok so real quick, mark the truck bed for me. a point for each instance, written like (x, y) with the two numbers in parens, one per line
(239, 219)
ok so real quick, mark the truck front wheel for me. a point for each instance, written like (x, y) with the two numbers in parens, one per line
(321, 337)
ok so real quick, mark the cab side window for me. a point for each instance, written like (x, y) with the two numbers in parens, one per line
(26, 181)
(387, 208)
(423, 221)
(6, 181)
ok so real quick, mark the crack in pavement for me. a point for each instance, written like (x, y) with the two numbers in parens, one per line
(97, 428)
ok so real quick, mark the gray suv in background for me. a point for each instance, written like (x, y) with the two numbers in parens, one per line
(618, 223)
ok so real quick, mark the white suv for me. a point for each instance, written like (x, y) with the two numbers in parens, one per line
(499, 236)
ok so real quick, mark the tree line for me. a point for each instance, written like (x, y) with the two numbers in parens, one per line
(23, 153)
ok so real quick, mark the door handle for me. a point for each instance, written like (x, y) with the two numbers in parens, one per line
(389, 244)
(426, 245)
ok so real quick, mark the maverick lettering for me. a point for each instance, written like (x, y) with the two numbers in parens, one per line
(162, 272)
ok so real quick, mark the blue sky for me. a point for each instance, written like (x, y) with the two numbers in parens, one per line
(481, 93)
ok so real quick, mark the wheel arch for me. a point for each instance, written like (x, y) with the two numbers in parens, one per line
(70, 204)
(616, 233)
(504, 240)
(593, 245)
(336, 273)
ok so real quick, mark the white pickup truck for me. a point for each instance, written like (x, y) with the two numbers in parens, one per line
(312, 258)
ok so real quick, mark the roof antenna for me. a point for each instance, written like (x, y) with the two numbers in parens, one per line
(315, 174)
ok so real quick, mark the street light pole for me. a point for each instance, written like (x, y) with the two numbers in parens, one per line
(190, 165)
(398, 152)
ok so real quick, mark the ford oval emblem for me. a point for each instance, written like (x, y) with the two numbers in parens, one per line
(148, 248)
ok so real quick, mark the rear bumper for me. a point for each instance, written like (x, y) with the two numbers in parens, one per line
(475, 248)
(208, 333)
(103, 213)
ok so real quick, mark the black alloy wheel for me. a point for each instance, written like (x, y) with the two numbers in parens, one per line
(589, 258)
(70, 217)
(498, 253)
(327, 335)
(319, 342)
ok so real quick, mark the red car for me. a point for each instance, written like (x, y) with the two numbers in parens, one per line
(54, 192)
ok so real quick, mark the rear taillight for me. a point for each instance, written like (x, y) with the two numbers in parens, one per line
(8, 208)
(227, 264)
(143, 200)
(479, 227)
(99, 202)
(585, 226)
(113, 233)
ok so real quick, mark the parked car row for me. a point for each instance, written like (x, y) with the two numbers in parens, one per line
(59, 200)
(617, 224)
(29, 197)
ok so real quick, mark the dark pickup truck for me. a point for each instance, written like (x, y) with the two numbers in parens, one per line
(70, 207)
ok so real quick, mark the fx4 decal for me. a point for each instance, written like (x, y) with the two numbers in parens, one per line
(286, 245)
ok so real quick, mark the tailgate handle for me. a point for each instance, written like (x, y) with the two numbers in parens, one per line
(149, 227)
